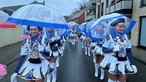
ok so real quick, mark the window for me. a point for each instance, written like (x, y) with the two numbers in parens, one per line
(102, 8)
(143, 32)
(98, 11)
(107, 3)
(143, 3)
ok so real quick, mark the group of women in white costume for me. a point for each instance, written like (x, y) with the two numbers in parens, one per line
(42, 49)
(111, 48)
(97, 50)
(86, 43)
(43, 42)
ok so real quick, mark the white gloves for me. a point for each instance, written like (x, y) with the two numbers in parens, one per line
(134, 68)
(116, 48)
(13, 77)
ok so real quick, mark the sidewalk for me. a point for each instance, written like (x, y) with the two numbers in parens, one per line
(139, 54)
(10, 53)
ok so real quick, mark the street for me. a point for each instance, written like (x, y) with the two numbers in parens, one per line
(74, 65)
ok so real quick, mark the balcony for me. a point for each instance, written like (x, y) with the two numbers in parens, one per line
(123, 7)
(91, 4)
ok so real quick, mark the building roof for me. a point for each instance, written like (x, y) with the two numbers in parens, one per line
(78, 14)
(14, 8)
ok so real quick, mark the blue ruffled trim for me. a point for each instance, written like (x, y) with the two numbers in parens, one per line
(35, 23)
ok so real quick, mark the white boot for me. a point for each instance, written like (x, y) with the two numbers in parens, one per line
(63, 46)
(57, 62)
(96, 70)
(102, 74)
(94, 57)
(73, 42)
(88, 51)
(49, 77)
(109, 80)
(82, 44)
(85, 50)
(54, 75)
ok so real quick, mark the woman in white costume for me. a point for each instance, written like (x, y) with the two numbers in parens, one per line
(87, 45)
(35, 67)
(97, 52)
(118, 59)
(51, 42)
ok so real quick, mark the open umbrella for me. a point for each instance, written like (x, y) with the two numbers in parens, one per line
(72, 24)
(38, 15)
(106, 21)
(7, 25)
(88, 26)
(3, 16)
(81, 27)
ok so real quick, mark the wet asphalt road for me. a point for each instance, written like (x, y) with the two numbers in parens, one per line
(75, 67)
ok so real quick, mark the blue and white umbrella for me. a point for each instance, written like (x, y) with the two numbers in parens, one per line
(88, 26)
(106, 21)
(81, 27)
(38, 15)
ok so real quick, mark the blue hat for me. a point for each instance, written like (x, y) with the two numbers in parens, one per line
(117, 21)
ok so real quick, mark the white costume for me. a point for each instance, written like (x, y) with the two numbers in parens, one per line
(36, 66)
(73, 37)
(52, 48)
(111, 62)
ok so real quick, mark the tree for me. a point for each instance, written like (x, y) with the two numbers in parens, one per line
(82, 4)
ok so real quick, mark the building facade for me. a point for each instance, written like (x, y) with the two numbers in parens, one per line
(139, 31)
(90, 12)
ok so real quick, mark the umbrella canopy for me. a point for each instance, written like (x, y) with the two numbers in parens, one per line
(98, 33)
(7, 25)
(38, 15)
(3, 16)
(72, 25)
(88, 26)
(107, 20)
(81, 27)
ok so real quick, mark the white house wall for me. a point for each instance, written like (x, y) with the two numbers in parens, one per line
(10, 35)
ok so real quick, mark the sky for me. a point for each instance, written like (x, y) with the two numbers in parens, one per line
(65, 7)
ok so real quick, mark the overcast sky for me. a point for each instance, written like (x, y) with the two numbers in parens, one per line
(65, 7)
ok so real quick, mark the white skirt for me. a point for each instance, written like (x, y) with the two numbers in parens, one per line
(113, 66)
(30, 71)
